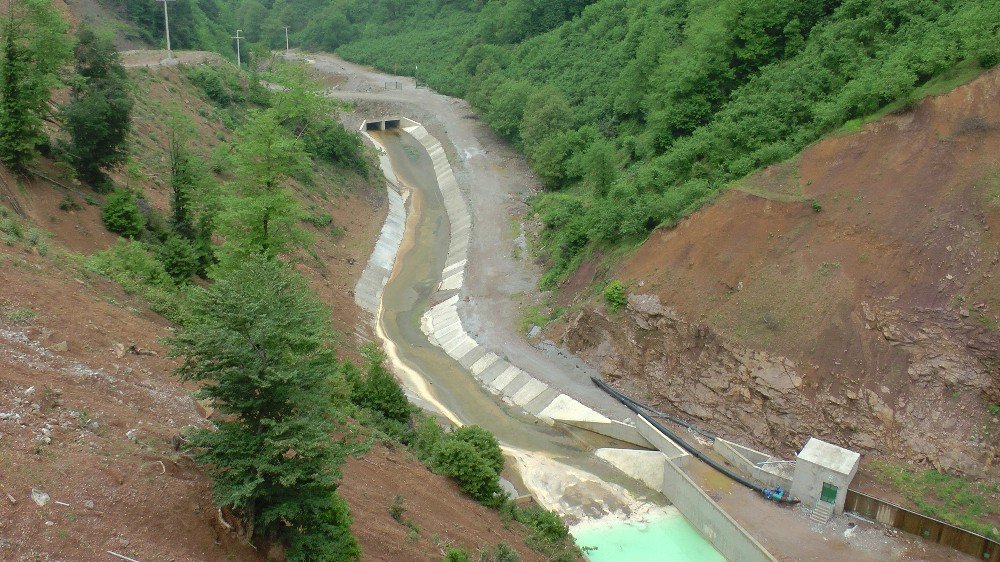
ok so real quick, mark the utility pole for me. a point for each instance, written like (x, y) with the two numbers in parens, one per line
(286, 40)
(416, 73)
(239, 61)
(166, 26)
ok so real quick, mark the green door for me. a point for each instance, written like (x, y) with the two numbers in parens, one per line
(829, 493)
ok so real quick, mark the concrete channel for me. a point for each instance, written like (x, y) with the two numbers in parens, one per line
(411, 288)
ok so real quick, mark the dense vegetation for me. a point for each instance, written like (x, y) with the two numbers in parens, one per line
(635, 113)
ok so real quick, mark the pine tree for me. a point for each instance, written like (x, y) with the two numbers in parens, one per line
(98, 118)
(261, 344)
(18, 127)
(35, 48)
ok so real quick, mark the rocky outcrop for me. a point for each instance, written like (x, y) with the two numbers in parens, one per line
(929, 408)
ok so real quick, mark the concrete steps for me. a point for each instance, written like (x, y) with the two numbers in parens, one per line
(821, 512)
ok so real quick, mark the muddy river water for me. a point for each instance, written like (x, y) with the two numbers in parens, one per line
(620, 517)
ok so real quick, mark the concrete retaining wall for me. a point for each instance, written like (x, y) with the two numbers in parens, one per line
(368, 291)
(749, 461)
(725, 534)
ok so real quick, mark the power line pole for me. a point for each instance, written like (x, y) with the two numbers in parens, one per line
(166, 26)
(286, 40)
(239, 61)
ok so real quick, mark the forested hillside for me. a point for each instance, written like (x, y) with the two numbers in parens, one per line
(633, 113)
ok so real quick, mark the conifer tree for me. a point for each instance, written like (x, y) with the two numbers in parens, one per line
(16, 122)
(35, 47)
(261, 344)
(98, 118)
(260, 215)
(379, 391)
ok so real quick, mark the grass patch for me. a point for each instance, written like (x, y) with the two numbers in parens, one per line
(538, 315)
(19, 315)
(951, 499)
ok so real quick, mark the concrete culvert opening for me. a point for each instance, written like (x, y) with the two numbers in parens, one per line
(391, 124)
(373, 126)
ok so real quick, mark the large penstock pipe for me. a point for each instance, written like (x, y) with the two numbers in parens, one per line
(660, 414)
(632, 405)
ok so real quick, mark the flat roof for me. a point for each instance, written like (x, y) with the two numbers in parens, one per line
(828, 455)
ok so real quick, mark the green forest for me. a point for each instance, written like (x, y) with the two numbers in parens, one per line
(635, 113)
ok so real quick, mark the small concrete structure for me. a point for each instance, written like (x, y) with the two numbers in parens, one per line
(822, 473)
(386, 124)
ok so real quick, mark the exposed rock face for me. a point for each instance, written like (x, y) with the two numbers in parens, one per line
(933, 414)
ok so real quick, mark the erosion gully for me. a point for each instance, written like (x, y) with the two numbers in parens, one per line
(615, 516)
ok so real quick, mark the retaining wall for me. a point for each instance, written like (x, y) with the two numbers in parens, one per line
(921, 525)
(368, 291)
(748, 460)
(725, 534)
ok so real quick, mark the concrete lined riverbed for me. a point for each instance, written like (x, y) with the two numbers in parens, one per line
(557, 468)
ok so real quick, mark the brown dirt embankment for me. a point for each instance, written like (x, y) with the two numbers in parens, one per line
(869, 318)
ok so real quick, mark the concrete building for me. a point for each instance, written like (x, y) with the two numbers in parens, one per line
(822, 473)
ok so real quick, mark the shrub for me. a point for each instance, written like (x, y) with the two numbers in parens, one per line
(179, 258)
(320, 220)
(210, 81)
(474, 474)
(11, 228)
(20, 315)
(549, 534)
(332, 143)
(69, 203)
(453, 554)
(396, 509)
(427, 435)
(484, 442)
(502, 553)
(130, 264)
(379, 391)
(121, 214)
(614, 295)
(816, 207)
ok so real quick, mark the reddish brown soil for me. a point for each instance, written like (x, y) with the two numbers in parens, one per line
(889, 288)
(88, 398)
(909, 217)
(442, 515)
(904, 203)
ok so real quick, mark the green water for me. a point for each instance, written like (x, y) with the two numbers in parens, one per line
(668, 537)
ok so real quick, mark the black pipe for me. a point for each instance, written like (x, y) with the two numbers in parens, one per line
(628, 402)
(660, 414)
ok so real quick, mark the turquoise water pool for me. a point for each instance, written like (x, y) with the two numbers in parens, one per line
(661, 538)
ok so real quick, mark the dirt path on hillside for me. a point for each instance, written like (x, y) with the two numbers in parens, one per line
(499, 281)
